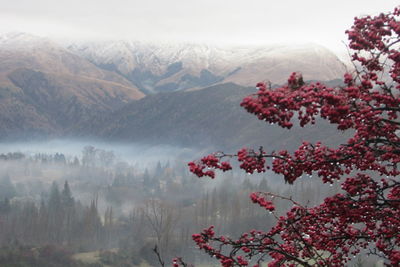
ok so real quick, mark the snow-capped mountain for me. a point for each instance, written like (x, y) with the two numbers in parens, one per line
(171, 67)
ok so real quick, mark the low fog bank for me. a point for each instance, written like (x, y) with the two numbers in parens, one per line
(132, 153)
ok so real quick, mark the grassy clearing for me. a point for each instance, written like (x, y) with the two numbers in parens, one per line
(87, 257)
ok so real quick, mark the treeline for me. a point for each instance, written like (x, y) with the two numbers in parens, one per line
(59, 219)
(91, 156)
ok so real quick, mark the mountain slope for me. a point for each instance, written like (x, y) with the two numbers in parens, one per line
(46, 89)
(208, 117)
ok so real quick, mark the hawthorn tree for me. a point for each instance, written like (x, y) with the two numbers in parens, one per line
(366, 215)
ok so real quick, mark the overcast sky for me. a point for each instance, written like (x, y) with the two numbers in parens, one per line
(211, 21)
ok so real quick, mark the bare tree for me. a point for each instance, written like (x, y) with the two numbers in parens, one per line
(162, 219)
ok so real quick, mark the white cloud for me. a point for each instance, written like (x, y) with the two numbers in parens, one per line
(234, 21)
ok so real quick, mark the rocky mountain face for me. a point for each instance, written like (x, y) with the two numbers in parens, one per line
(45, 89)
(173, 67)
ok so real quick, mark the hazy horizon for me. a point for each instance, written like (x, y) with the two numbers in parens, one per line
(215, 22)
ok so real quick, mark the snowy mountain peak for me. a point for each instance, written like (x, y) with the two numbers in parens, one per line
(159, 67)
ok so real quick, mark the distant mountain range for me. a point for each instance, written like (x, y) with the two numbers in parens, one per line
(144, 92)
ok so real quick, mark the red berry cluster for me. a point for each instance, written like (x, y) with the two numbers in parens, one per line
(208, 162)
(258, 198)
